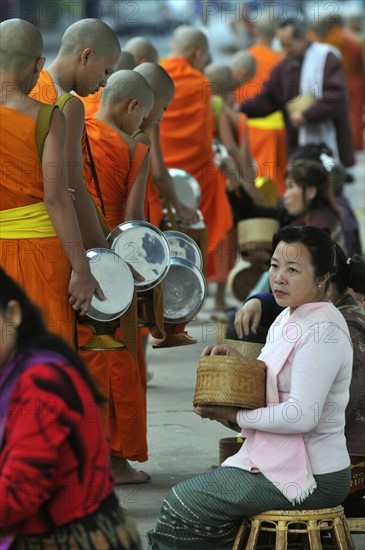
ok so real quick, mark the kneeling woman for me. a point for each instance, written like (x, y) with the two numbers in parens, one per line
(56, 489)
(294, 455)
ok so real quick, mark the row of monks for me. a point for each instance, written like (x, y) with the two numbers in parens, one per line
(70, 177)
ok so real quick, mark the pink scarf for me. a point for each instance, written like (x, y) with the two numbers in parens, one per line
(282, 458)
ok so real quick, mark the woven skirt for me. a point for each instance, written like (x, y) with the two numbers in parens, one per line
(205, 512)
(106, 529)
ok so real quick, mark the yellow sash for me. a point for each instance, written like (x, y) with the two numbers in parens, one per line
(275, 121)
(26, 222)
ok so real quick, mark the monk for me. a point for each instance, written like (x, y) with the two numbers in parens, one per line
(37, 218)
(88, 54)
(122, 166)
(159, 179)
(266, 134)
(142, 50)
(92, 101)
(186, 132)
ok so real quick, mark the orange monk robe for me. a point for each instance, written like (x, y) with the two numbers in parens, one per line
(127, 392)
(91, 102)
(186, 141)
(39, 265)
(44, 90)
(225, 252)
(267, 134)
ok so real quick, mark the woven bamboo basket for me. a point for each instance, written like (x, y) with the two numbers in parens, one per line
(229, 446)
(251, 350)
(256, 230)
(230, 381)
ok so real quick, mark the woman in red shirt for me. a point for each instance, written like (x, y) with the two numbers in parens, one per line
(56, 487)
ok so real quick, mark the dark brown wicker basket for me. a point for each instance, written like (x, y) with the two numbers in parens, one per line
(229, 446)
(230, 381)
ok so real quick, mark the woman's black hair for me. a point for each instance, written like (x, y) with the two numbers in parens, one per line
(33, 334)
(318, 243)
(311, 173)
(350, 272)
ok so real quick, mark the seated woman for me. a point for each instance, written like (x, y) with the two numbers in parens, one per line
(262, 309)
(308, 200)
(292, 456)
(56, 488)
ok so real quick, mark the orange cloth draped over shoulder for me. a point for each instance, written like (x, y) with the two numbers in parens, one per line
(127, 419)
(39, 265)
(186, 141)
(267, 134)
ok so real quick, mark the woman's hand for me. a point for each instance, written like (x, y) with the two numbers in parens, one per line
(225, 415)
(248, 318)
(220, 350)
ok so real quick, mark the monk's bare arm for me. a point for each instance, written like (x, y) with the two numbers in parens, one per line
(165, 181)
(90, 227)
(62, 214)
(135, 203)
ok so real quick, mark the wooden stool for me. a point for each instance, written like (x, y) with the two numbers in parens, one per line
(283, 522)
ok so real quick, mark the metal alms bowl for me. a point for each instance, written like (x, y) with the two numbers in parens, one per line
(186, 187)
(116, 281)
(145, 248)
(184, 290)
(183, 246)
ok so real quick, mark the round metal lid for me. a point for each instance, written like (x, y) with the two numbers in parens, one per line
(116, 281)
(145, 248)
(184, 290)
(183, 246)
(186, 187)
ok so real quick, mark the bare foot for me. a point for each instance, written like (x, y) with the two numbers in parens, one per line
(124, 474)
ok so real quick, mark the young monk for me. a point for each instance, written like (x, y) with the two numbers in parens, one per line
(267, 134)
(40, 238)
(159, 177)
(122, 166)
(142, 50)
(186, 133)
(88, 54)
(92, 101)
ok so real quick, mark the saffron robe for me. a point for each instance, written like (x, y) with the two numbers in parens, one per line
(39, 265)
(186, 142)
(127, 415)
(266, 134)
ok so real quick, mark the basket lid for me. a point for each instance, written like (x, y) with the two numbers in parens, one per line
(257, 230)
(242, 279)
(250, 350)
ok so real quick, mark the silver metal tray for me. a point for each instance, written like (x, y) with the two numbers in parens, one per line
(145, 248)
(184, 290)
(186, 187)
(116, 281)
(183, 246)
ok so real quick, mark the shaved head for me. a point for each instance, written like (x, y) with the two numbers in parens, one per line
(89, 33)
(265, 26)
(127, 85)
(243, 62)
(220, 76)
(159, 80)
(185, 39)
(21, 44)
(126, 62)
(142, 50)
